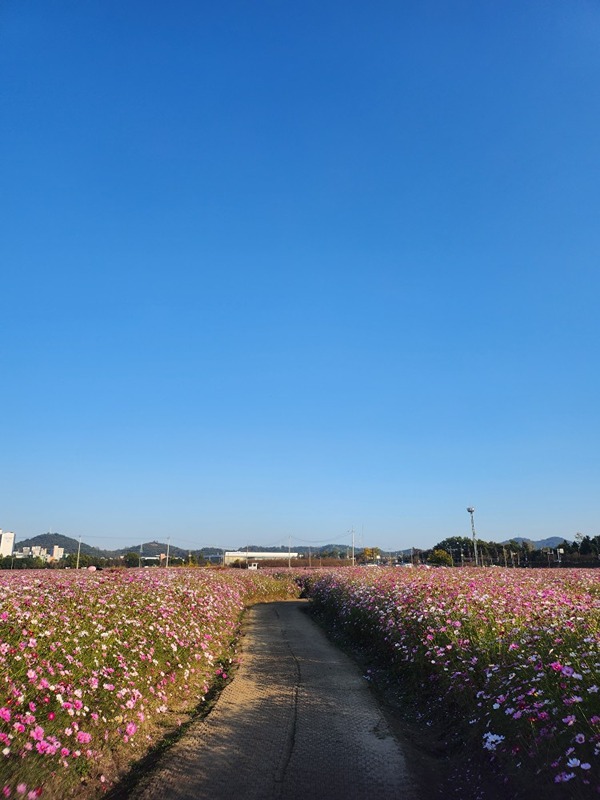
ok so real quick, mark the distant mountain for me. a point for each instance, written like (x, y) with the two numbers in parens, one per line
(49, 540)
(153, 549)
(303, 549)
(553, 542)
(70, 545)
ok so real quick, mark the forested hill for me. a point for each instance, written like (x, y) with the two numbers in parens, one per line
(70, 545)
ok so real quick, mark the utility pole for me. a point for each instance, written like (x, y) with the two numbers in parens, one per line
(140, 558)
(168, 543)
(471, 512)
(78, 552)
(352, 532)
(289, 552)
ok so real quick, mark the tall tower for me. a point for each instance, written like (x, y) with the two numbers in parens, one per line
(7, 543)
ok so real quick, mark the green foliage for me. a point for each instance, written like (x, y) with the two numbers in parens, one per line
(131, 559)
(440, 558)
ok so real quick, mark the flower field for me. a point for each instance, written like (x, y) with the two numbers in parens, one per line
(95, 667)
(515, 653)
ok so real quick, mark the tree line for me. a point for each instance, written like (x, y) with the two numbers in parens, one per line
(460, 551)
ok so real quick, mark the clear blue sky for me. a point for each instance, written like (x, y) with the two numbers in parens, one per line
(275, 270)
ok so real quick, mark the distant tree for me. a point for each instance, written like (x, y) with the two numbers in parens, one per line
(131, 559)
(84, 561)
(459, 547)
(586, 547)
(370, 554)
(538, 557)
(569, 547)
(440, 558)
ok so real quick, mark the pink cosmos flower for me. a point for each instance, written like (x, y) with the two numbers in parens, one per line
(37, 733)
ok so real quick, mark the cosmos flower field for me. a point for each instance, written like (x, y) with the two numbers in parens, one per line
(515, 653)
(96, 667)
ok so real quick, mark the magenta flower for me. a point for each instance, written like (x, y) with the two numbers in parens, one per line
(37, 733)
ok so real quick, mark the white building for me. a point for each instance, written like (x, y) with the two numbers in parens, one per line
(245, 556)
(7, 543)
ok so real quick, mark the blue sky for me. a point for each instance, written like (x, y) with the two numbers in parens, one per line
(274, 271)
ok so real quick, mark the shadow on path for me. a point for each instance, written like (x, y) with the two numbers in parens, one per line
(298, 721)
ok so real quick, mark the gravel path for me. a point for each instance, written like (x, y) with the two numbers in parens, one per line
(298, 722)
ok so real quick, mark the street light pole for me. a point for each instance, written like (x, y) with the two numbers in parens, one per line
(471, 512)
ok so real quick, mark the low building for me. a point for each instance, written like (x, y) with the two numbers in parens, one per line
(42, 553)
(248, 556)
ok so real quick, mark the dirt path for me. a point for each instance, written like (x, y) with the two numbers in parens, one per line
(298, 721)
